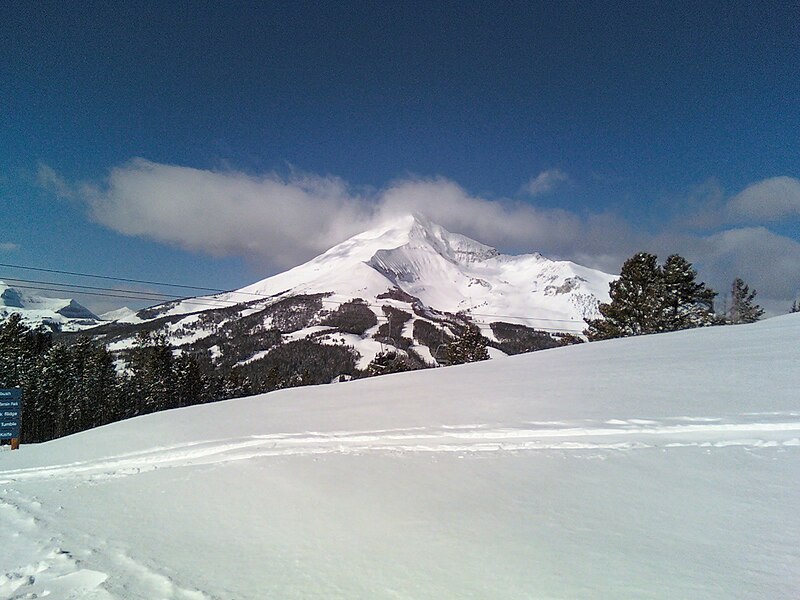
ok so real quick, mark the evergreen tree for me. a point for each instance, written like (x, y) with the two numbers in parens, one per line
(190, 384)
(55, 403)
(151, 362)
(104, 396)
(687, 303)
(19, 347)
(649, 298)
(795, 307)
(235, 384)
(743, 308)
(389, 361)
(70, 387)
(637, 301)
(91, 376)
(469, 347)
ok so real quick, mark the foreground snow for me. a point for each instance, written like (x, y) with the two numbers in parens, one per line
(656, 467)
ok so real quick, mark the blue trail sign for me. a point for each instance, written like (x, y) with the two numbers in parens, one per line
(10, 413)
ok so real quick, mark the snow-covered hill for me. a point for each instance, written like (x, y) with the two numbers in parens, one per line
(656, 467)
(62, 313)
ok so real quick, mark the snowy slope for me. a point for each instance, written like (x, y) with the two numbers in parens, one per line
(654, 467)
(119, 314)
(40, 310)
(445, 271)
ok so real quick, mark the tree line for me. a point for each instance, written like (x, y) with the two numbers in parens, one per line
(68, 388)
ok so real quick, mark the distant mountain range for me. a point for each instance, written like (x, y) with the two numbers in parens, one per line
(410, 285)
(56, 313)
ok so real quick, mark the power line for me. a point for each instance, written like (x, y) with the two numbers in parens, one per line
(209, 302)
(125, 279)
(201, 303)
(222, 291)
(157, 295)
(205, 301)
(129, 294)
(124, 296)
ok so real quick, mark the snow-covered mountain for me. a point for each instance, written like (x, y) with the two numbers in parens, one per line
(446, 271)
(655, 467)
(416, 286)
(61, 313)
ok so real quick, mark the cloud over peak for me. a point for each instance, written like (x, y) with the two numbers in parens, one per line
(278, 221)
(283, 220)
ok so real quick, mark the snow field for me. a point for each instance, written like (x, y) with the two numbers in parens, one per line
(657, 467)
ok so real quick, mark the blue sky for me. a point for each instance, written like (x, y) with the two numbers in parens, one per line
(217, 143)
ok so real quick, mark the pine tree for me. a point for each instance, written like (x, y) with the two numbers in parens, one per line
(236, 385)
(637, 301)
(687, 303)
(56, 400)
(743, 308)
(19, 347)
(795, 307)
(104, 393)
(469, 347)
(389, 361)
(151, 362)
(649, 298)
(190, 383)
(95, 380)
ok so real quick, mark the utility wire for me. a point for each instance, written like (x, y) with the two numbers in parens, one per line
(158, 295)
(209, 302)
(124, 296)
(379, 318)
(199, 302)
(202, 301)
(221, 291)
(161, 283)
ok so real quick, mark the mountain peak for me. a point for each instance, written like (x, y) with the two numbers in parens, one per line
(415, 230)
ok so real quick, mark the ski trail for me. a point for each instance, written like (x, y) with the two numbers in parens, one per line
(752, 431)
(36, 561)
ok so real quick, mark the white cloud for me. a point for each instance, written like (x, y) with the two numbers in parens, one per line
(9, 246)
(545, 182)
(768, 200)
(51, 181)
(768, 262)
(227, 212)
(284, 220)
(281, 221)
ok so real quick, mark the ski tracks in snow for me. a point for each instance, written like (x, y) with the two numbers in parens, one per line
(36, 561)
(761, 430)
(39, 560)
